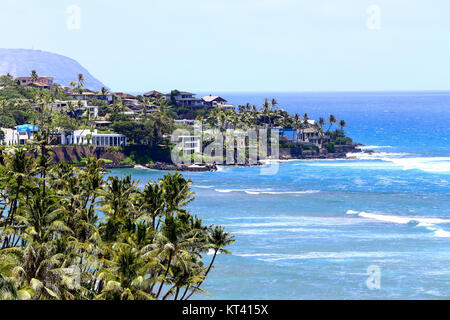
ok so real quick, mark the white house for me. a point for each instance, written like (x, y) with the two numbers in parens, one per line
(186, 99)
(20, 134)
(83, 137)
(188, 143)
(11, 136)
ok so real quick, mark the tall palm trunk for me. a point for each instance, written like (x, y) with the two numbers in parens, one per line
(165, 275)
(177, 292)
(10, 218)
(206, 274)
(185, 292)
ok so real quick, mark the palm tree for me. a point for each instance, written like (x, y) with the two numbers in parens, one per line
(274, 103)
(174, 244)
(342, 124)
(56, 88)
(18, 174)
(34, 76)
(177, 192)
(266, 111)
(332, 120)
(153, 202)
(80, 80)
(73, 84)
(54, 246)
(122, 274)
(305, 118)
(217, 240)
(321, 122)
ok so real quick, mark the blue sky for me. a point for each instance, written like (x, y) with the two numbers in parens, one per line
(243, 45)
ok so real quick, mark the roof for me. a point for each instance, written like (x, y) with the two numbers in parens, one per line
(308, 130)
(124, 95)
(101, 122)
(211, 98)
(29, 78)
(39, 84)
(152, 93)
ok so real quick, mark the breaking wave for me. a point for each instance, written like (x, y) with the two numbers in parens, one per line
(406, 162)
(428, 223)
(271, 257)
(266, 191)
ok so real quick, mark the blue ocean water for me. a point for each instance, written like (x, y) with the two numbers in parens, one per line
(312, 230)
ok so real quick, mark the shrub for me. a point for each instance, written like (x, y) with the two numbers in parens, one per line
(128, 161)
(330, 147)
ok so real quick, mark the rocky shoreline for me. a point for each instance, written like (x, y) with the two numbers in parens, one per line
(293, 154)
(179, 167)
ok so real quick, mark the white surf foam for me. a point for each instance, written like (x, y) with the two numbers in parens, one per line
(372, 147)
(442, 234)
(138, 166)
(427, 164)
(428, 223)
(202, 187)
(376, 155)
(224, 190)
(265, 191)
(291, 192)
(405, 161)
(271, 257)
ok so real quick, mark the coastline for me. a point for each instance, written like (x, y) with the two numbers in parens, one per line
(341, 155)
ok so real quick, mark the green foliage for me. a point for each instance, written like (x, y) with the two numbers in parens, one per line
(15, 112)
(150, 131)
(287, 144)
(106, 161)
(54, 245)
(339, 138)
(128, 161)
(330, 147)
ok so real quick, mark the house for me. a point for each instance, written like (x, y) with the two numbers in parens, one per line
(40, 82)
(78, 108)
(187, 99)
(312, 136)
(40, 85)
(213, 101)
(186, 122)
(84, 137)
(11, 137)
(188, 143)
(87, 95)
(123, 96)
(101, 123)
(152, 94)
(20, 134)
(26, 132)
(131, 102)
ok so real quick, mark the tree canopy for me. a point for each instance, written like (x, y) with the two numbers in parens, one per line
(68, 233)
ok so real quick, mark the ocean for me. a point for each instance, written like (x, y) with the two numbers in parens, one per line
(376, 227)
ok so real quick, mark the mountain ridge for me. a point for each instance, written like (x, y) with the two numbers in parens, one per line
(20, 62)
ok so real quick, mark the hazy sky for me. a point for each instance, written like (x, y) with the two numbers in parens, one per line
(242, 45)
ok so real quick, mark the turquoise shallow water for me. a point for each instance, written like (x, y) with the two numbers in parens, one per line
(312, 230)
